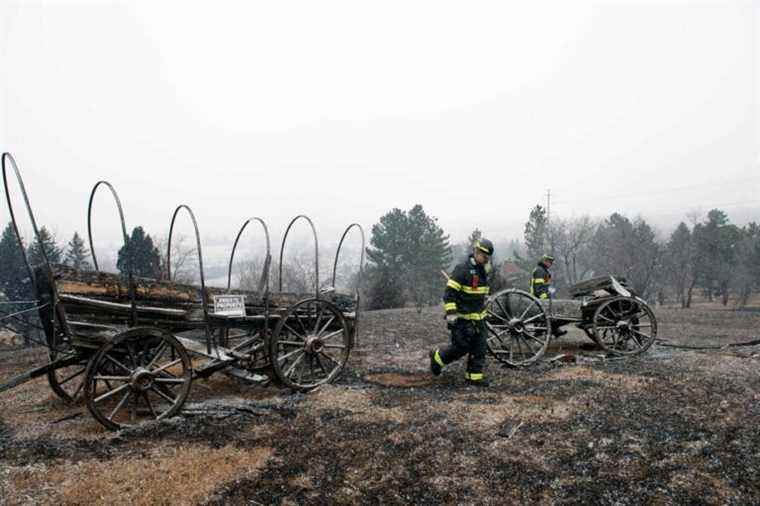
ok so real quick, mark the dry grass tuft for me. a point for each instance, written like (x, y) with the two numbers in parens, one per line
(180, 475)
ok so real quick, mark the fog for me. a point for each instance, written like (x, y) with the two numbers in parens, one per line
(344, 110)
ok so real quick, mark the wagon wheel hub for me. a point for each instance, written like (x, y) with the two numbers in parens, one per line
(624, 325)
(141, 380)
(314, 344)
(516, 324)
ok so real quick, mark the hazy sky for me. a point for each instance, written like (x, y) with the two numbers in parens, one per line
(343, 110)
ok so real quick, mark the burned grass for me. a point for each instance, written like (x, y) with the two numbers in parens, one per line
(673, 426)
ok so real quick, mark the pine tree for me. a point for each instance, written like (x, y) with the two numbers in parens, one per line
(76, 254)
(407, 252)
(46, 243)
(145, 256)
(535, 233)
(14, 278)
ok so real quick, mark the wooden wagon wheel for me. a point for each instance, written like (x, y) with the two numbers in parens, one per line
(624, 326)
(518, 327)
(310, 344)
(67, 382)
(142, 374)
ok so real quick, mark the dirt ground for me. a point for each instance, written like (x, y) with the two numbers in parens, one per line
(671, 427)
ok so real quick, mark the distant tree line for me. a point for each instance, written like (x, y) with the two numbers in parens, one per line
(712, 255)
(408, 250)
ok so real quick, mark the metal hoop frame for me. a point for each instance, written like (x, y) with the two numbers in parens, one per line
(7, 158)
(264, 281)
(125, 235)
(361, 259)
(316, 251)
(204, 294)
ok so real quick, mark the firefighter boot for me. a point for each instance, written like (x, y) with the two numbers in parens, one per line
(476, 379)
(436, 363)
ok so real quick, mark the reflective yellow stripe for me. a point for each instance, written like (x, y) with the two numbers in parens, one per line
(538, 281)
(450, 306)
(472, 316)
(481, 290)
(481, 248)
(453, 284)
(543, 296)
(474, 376)
(438, 359)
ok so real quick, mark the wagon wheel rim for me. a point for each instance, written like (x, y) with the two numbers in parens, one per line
(67, 382)
(518, 328)
(311, 345)
(141, 375)
(625, 326)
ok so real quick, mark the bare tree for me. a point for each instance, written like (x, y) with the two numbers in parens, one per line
(184, 259)
(572, 241)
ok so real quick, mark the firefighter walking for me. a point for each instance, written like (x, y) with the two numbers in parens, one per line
(541, 281)
(464, 301)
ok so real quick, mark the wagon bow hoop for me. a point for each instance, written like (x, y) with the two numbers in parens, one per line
(125, 235)
(316, 251)
(264, 281)
(361, 257)
(7, 159)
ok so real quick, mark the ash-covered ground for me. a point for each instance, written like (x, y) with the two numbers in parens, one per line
(670, 427)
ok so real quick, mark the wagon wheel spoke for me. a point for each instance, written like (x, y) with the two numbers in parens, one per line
(111, 393)
(292, 366)
(527, 343)
(292, 343)
(330, 358)
(159, 352)
(292, 331)
(166, 366)
(131, 351)
(541, 343)
(534, 317)
(171, 381)
(287, 355)
(163, 394)
(71, 377)
(332, 334)
(522, 316)
(149, 404)
(300, 323)
(120, 405)
(645, 336)
(334, 346)
(319, 318)
(325, 327)
(109, 357)
(319, 363)
(78, 390)
(497, 316)
(111, 378)
(504, 311)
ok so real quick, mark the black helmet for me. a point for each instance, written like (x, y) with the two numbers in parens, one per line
(485, 246)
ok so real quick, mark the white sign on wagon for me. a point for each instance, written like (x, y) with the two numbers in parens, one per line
(229, 305)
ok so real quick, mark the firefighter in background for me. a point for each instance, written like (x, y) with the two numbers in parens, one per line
(464, 301)
(541, 281)
(541, 287)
